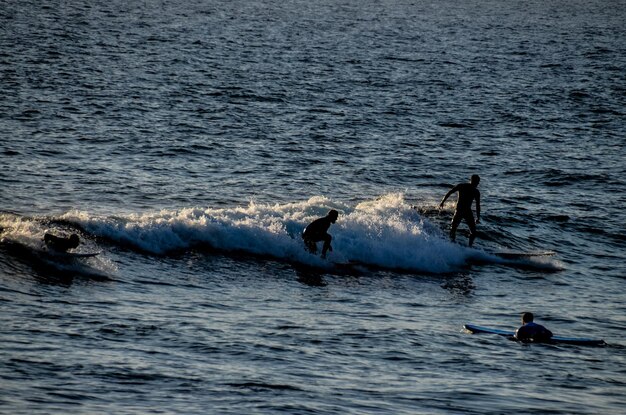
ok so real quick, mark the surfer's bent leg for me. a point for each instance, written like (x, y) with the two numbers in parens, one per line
(469, 218)
(327, 239)
(456, 219)
(310, 246)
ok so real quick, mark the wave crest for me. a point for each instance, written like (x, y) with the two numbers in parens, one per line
(384, 232)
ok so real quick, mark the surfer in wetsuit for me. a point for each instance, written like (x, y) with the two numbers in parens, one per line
(61, 243)
(468, 192)
(318, 231)
(531, 331)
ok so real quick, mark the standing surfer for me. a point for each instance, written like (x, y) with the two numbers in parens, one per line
(318, 231)
(468, 192)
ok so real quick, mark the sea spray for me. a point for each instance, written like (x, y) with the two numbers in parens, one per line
(385, 232)
(23, 237)
(388, 233)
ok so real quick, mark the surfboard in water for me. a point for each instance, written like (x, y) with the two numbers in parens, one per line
(474, 329)
(81, 254)
(521, 254)
(43, 252)
(67, 255)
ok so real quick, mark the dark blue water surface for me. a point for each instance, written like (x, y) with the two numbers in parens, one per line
(190, 143)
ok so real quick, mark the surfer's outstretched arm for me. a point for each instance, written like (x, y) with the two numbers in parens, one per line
(454, 189)
(477, 206)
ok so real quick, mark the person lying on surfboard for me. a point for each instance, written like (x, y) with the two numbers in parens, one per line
(468, 192)
(318, 231)
(531, 331)
(61, 243)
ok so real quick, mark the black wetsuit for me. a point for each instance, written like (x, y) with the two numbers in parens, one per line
(467, 194)
(58, 243)
(533, 332)
(318, 231)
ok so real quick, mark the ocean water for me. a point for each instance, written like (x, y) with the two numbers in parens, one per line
(191, 142)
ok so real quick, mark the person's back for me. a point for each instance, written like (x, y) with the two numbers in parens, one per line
(60, 243)
(467, 194)
(531, 331)
(317, 228)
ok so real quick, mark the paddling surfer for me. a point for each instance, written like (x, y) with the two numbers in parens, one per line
(531, 331)
(468, 192)
(318, 231)
(61, 243)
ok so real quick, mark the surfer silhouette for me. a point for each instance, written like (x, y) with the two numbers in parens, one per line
(318, 231)
(468, 192)
(531, 331)
(61, 243)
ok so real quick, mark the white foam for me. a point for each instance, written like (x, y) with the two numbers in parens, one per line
(28, 233)
(385, 232)
(22, 230)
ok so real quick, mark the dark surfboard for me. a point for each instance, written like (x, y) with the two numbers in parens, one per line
(521, 254)
(51, 253)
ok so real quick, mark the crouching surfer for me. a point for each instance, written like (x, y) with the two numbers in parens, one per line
(61, 243)
(531, 331)
(318, 231)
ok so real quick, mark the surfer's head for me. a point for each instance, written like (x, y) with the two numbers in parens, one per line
(333, 215)
(474, 180)
(527, 317)
(74, 240)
